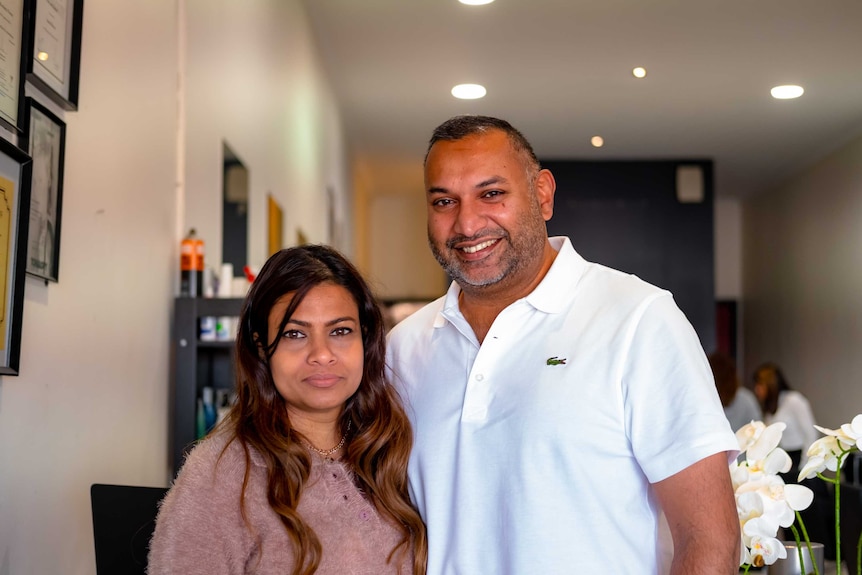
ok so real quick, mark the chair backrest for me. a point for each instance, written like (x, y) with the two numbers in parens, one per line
(124, 517)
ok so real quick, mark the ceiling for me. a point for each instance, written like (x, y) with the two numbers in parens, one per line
(560, 71)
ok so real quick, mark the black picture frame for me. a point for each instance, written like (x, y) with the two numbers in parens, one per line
(60, 81)
(11, 119)
(15, 175)
(44, 140)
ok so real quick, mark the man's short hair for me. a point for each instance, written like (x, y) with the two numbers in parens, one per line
(460, 127)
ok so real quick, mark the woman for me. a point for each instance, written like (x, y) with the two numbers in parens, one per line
(308, 473)
(780, 403)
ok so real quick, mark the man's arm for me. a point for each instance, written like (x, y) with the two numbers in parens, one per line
(701, 513)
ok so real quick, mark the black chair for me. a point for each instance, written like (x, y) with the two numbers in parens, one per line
(124, 517)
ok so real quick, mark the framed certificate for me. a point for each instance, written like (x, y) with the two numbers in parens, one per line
(54, 49)
(12, 62)
(44, 138)
(15, 174)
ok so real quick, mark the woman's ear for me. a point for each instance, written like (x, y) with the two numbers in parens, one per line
(261, 350)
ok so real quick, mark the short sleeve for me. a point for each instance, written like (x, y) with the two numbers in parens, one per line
(673, 414)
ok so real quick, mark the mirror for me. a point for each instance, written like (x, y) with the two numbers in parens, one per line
(234, 247)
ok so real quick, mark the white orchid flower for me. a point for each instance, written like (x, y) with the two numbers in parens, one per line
(848, 434)
(822, 455)
(758, 535)
(781, 501)
(744, 554)
(854, 429)
(748, 506)
(748, 434)
(798, 497)
(766, 442)
(766, 551)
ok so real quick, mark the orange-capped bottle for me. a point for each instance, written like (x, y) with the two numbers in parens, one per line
(192, 265)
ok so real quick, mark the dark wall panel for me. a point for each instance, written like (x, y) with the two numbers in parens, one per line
(626, 215)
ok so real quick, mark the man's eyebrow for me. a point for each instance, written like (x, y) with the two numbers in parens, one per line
(492, 181)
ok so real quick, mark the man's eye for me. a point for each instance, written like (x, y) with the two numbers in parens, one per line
(293, 334)
(442, 202)
(492, 193)
(342, 331)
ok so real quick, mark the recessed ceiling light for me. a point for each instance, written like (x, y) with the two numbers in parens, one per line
(469, 91)
(786, 92)
(639, 72)
(597, 141)
(475, 2)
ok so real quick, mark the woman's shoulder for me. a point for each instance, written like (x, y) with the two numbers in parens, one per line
(221, 455)
(791, 397)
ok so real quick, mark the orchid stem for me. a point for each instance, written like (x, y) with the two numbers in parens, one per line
(807, 544)
(838, 516)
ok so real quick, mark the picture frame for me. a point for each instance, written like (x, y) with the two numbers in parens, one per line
(15, 175)
(13, 66)
(275, 219)
(54, 49)
(44, 140)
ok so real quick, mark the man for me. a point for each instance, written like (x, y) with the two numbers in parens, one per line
(557, 404)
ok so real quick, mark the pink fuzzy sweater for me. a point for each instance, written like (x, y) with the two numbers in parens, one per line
(199, 528)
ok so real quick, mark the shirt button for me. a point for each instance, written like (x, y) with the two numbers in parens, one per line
(479, 377)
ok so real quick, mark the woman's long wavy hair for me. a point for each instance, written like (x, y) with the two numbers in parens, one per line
(380, 437)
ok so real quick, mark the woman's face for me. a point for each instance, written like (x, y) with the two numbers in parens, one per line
(764, 379)
(318, 363)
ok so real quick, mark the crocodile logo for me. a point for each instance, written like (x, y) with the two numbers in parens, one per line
(556, 361)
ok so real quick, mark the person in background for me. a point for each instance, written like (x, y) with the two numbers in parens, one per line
(740, 404)
(558, 405)
(780, 403)
(308, 473)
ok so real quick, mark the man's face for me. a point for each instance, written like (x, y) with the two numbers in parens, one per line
(486, 213)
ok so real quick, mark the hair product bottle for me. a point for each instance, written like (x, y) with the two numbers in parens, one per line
(192, 265)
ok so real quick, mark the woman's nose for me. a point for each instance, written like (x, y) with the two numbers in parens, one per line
(320, 351)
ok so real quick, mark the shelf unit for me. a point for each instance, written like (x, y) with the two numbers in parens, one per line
(197, 364)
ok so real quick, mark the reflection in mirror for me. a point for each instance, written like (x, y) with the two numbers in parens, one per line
(234, 211)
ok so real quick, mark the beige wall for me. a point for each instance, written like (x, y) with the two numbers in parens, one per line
(392, 238)
(91, 403)
(803, 283)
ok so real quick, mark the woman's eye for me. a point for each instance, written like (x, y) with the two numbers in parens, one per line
(342, 331)
(293, 334)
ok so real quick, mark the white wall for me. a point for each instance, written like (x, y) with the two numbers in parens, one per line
(91, 403)
(253, 80)
(728, 249)
(803, 283)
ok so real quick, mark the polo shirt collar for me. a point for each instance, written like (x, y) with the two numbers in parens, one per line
(557, 288)
(550, 296)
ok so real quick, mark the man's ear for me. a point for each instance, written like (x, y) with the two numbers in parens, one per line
(546, 186)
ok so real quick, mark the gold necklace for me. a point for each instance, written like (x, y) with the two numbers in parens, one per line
(328, 452)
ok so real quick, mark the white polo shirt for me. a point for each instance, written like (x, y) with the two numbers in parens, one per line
(534, 451)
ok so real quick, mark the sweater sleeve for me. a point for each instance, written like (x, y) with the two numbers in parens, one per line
(199, 528)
